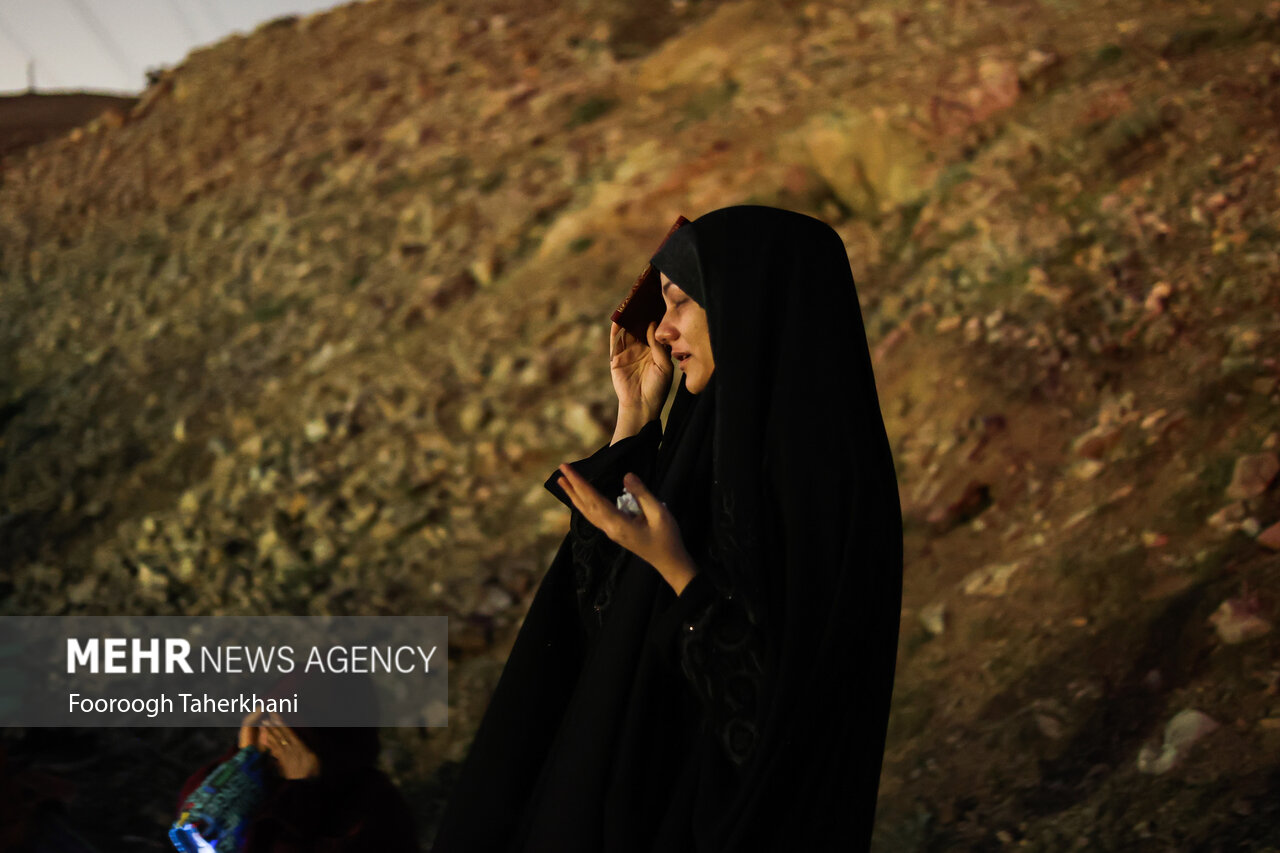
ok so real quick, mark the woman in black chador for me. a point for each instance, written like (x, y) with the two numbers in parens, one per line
(714, 673)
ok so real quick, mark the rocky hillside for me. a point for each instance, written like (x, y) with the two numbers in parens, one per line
(307, 328)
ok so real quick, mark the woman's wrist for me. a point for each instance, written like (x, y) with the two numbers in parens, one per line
(631, 419)
(679, 573)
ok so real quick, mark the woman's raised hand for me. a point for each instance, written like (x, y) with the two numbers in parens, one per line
(271, 735)
(641, 372)
(293, 757)
(653, 536)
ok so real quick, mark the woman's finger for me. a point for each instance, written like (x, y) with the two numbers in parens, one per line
(564, 483)
(570, 488)
(283, 732)
(614, 342)
(649, 504)
(584, 496)
(579, 501)
(250, 730)
(655, 352)
(625, 339)
(274, 732)
(658, 351)
(592, 504)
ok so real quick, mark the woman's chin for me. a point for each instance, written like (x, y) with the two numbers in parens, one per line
(694, 381)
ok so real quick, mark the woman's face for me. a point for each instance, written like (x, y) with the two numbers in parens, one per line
(684, 330)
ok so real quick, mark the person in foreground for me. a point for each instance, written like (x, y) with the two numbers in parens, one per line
(323, 790)
(712, 673)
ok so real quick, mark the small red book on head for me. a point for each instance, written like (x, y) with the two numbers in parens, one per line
(644, 304)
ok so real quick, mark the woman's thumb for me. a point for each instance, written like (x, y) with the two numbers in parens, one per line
(648, 503)
(651, 333)
(658, 350)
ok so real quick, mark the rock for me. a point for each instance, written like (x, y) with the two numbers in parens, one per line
(934, 617)
(553, 522)
(996, 89)
(992, 580)
(443, 292)
(1228, 519)
(1237, 620)
(484, 269)
(251, 446)
(1150, 421)
(1182, 731)
(975, 498)
(700, 54)
(1265, 385)
(947, 324)
(267, 542)
(316, 429)
(889, 343)
(1270, 538)
(83, 591)
(578, 420)
(321, 359)
(1152, 539)
(1157, 297)
(972, 330)
(1087, 469)
(1097, 441)
(189, 504)
(323, 550)
(437, 713)
(1050, 727)
(150, 579)
(867, 161)
(472, 415)
(1038, 282)
(494, 599)
(1253, 475)
(285, 562)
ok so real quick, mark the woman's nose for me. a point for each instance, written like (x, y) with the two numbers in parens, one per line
(666, 331)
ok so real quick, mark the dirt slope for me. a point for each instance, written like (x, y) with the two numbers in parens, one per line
(306, 332)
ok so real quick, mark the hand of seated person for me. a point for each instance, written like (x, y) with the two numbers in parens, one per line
(293, 758)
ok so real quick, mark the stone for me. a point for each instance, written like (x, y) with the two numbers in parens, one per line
(1252, 475)
(578, 420)
(1270, 537)
(1185, 729)
(1228, 519)
(934, 617)
(991, 580)
(1238, 620)
(867, 160)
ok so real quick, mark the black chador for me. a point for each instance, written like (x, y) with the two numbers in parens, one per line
(749, 712)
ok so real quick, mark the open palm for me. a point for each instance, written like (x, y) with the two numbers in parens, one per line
(641, 370)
